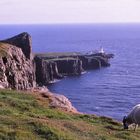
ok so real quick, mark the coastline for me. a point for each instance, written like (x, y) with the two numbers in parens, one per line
(31, 112)
(23, 71)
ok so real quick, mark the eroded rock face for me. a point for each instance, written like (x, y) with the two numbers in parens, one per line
(16, 70)
(56, 100)
(69, 66)
(49, 69)
(22, 41)
(46, 71)
(57, 65)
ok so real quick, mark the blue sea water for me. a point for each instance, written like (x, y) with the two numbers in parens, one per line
(110, 91)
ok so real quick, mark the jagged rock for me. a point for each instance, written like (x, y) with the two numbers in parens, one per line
(46, 71)
(22, 41)
(16, 71)
(55, 100)
(57, 65)
(95, 61)
(69, 66)
(49, 69)
(60, 101)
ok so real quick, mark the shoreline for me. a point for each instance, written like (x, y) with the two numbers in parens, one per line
(23, 71)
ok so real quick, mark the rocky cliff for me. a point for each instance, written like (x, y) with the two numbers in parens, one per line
(46, 71)
(49, 69)
(21, 71)
(22, 41)
(16, 63)
(57, 65)
(18, 70)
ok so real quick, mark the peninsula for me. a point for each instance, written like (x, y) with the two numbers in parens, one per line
(29, 111)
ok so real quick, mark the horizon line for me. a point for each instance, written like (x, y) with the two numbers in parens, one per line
(94, 23)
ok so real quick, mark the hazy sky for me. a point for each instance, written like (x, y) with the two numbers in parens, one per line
(69, 11)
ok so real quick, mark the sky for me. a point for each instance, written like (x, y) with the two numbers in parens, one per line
(69, 11)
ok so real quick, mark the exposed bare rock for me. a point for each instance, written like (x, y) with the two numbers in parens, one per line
(22, 41)
(55, 100)
(16, 71)
(51, 66)
(60, 101)
(48, 70)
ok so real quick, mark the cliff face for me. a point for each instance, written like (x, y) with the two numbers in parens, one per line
(45, 71)
(57, 65)
(49, 69)
(95, 61)
(22, 41)
(20, 71)
(16, 67)
(69, 66)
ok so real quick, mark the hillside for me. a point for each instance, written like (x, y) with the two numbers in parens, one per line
(27, 116)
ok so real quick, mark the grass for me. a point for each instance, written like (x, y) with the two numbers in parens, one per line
(61, 59)
(58, 54)
(4, 49)
(27, 116)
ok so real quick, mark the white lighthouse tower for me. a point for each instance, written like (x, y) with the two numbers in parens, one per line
(101, 50)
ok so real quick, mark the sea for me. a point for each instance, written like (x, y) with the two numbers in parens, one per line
(110, 91)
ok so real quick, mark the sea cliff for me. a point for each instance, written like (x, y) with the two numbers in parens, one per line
(21, 70)
(31, 112)
(51, 66)
(16, 63)
(18, 71)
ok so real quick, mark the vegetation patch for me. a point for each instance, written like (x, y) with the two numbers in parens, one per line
(4, 47)
(27, 116)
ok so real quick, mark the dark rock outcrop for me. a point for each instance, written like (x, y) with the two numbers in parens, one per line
(46, 71)
(20, 71)
(95, 61)
(16, 68)
(49, 69)
(57, 65)
(69, 66)
(22, 41)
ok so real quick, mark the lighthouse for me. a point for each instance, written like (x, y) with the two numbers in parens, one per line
(101, 50)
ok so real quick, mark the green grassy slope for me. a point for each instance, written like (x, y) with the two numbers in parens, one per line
(26, 116)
